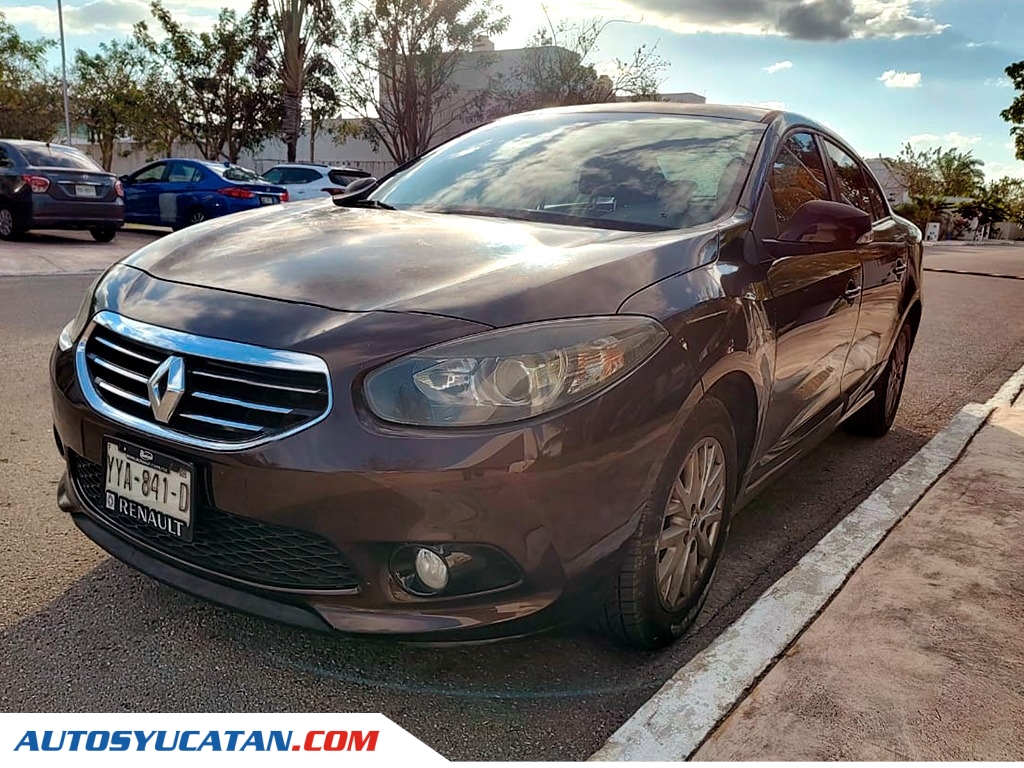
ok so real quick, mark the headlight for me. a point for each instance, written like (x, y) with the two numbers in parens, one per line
(511, 374)
(70, 333)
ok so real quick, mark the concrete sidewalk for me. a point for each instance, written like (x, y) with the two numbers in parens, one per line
(921, 655)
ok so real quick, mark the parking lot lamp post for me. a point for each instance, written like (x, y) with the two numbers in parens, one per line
(64, 71)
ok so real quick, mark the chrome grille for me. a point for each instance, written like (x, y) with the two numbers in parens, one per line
(236, 395)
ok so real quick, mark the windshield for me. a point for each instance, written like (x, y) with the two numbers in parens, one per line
(620, 171)
(58, 157)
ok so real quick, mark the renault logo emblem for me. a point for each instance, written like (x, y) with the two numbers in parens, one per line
(166, 387)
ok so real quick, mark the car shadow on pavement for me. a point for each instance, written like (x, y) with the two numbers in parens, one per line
(117, 640)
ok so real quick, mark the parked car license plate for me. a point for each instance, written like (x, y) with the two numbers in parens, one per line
(267, 199)
(149, 487)
(85, 190)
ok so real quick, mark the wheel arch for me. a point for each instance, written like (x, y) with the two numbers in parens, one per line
(737, 392)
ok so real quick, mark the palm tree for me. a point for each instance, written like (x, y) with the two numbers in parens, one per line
(960, 173)
(303, 28)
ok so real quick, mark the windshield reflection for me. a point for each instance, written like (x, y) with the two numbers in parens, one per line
(620, 171)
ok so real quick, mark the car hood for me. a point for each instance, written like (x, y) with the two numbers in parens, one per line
(492, 271)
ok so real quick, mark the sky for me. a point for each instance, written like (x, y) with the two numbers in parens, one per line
(880, 72)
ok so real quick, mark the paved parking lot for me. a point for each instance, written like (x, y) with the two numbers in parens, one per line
(81, 632)
(55, 252)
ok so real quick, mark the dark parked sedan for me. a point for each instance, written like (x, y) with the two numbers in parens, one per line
(452, 407)
(50, 186)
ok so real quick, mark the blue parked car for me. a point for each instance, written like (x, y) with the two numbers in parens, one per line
(181, 192)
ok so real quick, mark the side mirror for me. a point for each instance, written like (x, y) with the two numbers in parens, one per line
(828, 224)
(359, 185)
(126, 179)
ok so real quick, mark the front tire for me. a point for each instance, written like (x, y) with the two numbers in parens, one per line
(876, 418)
(671, 559)
(103, 234)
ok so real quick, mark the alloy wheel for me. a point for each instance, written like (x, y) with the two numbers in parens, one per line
(897, 370)
(197, 217)
(6, 222)
(692, 524)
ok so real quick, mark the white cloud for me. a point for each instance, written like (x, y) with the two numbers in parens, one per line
(894, 79)
(999, 82)
(115, 15)
(995, 171)
(778, 66)
(799, 19)
(951, 139)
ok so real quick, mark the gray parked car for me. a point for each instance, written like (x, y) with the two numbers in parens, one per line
(51, 186)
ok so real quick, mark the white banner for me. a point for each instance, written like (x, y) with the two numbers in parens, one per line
(208, 739)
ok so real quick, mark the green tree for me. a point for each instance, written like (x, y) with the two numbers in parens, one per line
(31, 105)
(303, 30)
(558, 70)
(1014, 114)
(960, 174)
(401, 57)
(223, 80)
(109, 93)
(938, 172)
(915, 171)
(322, 96)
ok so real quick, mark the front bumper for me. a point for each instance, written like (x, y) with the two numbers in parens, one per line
(558, 497)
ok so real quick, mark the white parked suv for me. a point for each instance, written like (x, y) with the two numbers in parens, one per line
(306, 180)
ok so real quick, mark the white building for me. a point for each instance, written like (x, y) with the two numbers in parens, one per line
(894, 189)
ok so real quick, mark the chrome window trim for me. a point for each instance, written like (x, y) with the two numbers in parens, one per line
(172, 341)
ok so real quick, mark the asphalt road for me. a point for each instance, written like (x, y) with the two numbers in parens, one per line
(81, 632)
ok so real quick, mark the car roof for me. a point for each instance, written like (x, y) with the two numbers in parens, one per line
(302, 165)
(724, 111)
(35, 143)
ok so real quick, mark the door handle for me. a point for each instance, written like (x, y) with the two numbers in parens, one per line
(900, 269)
(852, 292)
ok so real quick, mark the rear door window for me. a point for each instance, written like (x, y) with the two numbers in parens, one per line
(184, 173)
(5, 158)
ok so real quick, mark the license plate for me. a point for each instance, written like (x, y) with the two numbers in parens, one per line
(85, 190)
(149, 487)
(267, 199)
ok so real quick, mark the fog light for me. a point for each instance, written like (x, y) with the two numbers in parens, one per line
(431, 570)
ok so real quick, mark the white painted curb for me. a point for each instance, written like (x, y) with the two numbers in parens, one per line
(674, 722)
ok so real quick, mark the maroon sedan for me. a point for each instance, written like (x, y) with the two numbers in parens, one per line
(527, 378)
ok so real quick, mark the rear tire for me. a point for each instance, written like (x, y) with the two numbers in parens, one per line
(671, 559)
(10, 227)
(876, 418)
(103, 234)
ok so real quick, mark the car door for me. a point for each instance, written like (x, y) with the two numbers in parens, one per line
(142, 194)
(309, 182)
(177, 191)
(883, 262)
(813, 304)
